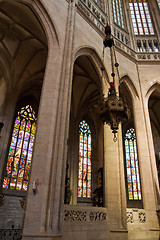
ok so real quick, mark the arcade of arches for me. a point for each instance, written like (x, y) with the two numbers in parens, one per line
(61, 174)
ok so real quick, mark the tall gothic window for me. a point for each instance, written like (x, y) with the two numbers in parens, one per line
(20, 151)
(158, 3)
(141, 18)
(132, 168)
(84, 173)
(117, 12)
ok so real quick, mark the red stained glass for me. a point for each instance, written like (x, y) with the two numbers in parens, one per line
(20, 152)
(84, 174)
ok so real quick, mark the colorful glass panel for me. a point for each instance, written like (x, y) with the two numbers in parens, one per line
(132, 168)
(84, 173)
(21, 149)
(158, 3)
(140, 16)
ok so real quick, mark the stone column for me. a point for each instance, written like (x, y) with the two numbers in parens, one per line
(43, 217)
(114, 184)
(145, 153)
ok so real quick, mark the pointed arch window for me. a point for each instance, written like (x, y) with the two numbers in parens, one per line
(117, 12)
(132, 166)
(21, 149)
(141, 18)
(84, 172)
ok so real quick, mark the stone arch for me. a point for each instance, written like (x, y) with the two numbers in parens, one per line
(87, 87)
(97, 61)
(18, 72)
(126, 80)
(152, 88)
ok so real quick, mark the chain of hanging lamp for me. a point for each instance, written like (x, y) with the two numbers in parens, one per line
(113, 109)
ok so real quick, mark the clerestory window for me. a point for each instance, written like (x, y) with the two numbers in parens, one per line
(20, 152)
(141, 18)
(132, 166)
(118, 12)
(84, 172)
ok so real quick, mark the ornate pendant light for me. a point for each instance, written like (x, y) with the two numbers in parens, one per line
(112, 110)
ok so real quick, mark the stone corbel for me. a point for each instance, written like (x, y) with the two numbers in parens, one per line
(1, 199)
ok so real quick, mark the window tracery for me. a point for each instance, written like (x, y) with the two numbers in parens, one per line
(20, 151)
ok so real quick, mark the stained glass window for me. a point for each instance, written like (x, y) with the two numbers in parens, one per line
(158, 3)
(20, 151)
(141, 18)
(132, 168)
(117, 12)
(84, 173)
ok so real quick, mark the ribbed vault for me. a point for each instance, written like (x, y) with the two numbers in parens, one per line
(86, 85)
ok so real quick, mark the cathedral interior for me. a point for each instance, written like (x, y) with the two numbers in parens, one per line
(79, 119)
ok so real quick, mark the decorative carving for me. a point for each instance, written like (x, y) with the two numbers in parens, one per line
(141, 57)
(1, 199)
(142, 217)
(130, 217)
(97, 216)
(71, 215)
(22, 202)
(14, 234)
(81, 216)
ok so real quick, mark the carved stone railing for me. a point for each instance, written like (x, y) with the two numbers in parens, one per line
(139, 56)
(92, 12)
(84, 214)
(121, 35)
(86, 222)
(136, 216)
(128, 50)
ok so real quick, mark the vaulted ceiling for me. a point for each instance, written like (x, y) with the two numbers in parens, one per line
(23, 49)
